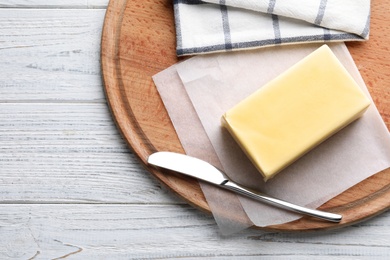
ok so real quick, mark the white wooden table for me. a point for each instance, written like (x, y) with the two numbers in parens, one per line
(69, 186)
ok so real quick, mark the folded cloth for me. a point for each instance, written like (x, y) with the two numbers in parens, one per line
(224, 25)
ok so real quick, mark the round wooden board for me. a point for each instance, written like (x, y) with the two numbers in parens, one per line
(139, 41)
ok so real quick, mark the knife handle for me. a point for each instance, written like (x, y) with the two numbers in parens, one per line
(282, 204)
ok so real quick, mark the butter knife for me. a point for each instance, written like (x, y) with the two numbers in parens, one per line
(202, 170)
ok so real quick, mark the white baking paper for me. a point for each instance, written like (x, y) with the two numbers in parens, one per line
(196, 143)
(215, 83)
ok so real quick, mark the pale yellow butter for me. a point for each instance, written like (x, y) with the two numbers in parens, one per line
(295, 112)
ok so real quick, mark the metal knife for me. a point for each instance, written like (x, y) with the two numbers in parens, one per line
(202, 170)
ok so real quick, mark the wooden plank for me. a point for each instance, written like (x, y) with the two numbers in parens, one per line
(53, 4)
(50, 55)
(167, 232)
(69, 153)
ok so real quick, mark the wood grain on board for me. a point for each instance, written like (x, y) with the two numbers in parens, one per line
(139, 41)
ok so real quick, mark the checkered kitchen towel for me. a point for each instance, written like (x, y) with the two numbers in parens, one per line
(223, 25)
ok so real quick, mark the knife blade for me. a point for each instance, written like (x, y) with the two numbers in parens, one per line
(202, 170)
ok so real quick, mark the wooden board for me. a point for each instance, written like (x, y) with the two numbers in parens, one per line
(139, 41)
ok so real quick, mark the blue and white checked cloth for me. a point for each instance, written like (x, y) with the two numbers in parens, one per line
(223, 25)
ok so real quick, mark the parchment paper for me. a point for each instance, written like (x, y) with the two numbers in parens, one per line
(215, 83)
(196, 143)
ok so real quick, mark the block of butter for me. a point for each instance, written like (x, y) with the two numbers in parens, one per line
(295, 112)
